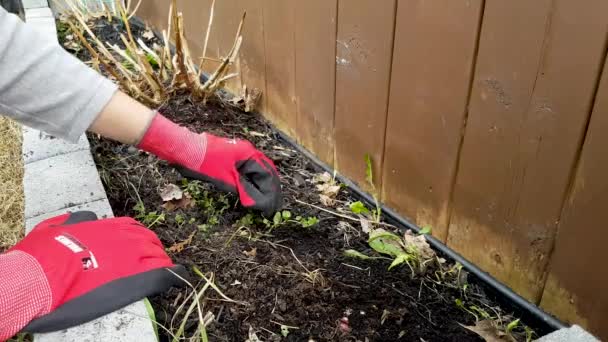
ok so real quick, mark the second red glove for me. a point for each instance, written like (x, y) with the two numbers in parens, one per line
(74, 268)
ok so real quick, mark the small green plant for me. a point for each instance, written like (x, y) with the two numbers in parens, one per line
(351, 253)
(358, 208)
(411, 250)
(148, 219)
(369, 177)
(212, 205)
(425, 230)
(152, 316)
(283, 217)
(246, 221)
(284, 330)
(501, 325)
(307, 222)
(63, 30)
(512, 325)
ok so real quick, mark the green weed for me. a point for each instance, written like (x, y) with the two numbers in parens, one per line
(148, 219)
(505, 325)
(211, 204)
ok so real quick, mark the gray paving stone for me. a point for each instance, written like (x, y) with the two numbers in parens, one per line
(42, 12)
(46, 27)
(573, 334)
(34, 3)
(101, 208)
(126, 325)
(38, 145)
(61, 182)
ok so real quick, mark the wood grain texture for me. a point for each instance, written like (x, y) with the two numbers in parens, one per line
(427, 106)
(315, 49)
(154, 13)
(279, 33)
(531, 96)
(363, 58)
(576, 286)
(251, 62)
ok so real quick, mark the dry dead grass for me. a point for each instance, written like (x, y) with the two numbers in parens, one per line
(11, 186)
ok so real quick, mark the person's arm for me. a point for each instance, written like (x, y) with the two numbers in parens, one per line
(43, 86)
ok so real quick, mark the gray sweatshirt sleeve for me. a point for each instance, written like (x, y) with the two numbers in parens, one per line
(43, 86)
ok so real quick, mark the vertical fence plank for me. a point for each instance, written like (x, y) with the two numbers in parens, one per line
(227, 16)
(363, 58)
(279, 32)
(196, 16)
(533, 88)
(316, 75)
(576, 285)
(154, 13)
(428, 98)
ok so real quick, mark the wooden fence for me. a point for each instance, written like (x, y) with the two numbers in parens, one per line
(483, 119)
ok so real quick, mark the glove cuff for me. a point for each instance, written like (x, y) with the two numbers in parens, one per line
(24, 292)
(174, 143)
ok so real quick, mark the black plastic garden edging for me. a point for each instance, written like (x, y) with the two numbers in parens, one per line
(530, 310)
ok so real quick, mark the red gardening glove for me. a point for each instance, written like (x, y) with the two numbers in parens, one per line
(74, 268)
(230, 164)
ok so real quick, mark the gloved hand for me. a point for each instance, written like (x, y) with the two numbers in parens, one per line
(74, 268)
(230, 164)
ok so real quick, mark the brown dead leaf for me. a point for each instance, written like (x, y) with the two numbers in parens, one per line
(328, 188)
(171, 192)
(419, 244)
(365, 225)
(148, 34)
(248, 99)
(326, 200)
(252, 97)
(486, 330)
(322, 178)
(252, 253)
(178, 247)
(183, 203)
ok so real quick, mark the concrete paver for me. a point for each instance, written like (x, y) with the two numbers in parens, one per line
(38, 145)
(61, 182)
(34, 3)
(572, 334)
(126, 325)
(101, 208)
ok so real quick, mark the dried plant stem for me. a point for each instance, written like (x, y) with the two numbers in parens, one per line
(200, 67)
(125, 20)
(134, 10)
(213, 82)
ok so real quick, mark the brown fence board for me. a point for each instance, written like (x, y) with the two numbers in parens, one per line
(576, 286)
(529, 106)
(279, 32)
(427, 106)
(154, 13)
(316, 75)
(227, 16)
(363, 58)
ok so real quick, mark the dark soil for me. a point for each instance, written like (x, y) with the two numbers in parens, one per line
(291, 276)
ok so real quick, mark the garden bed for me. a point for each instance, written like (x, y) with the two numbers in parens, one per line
(288, 276)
